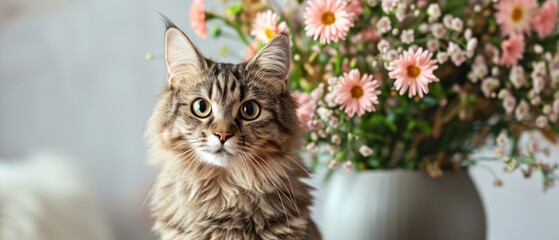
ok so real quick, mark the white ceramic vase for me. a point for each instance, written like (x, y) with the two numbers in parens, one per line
(401, 205)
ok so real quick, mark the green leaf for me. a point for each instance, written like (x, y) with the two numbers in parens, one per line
(215, 31)
(235, 10)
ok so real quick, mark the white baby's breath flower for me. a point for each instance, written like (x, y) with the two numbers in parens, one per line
(554, 76)
(433, 45)
(391, 55)
(539, 68)
(522, 110)
(495, 72)
(384, 25)
(318, 92)
(438, 30)
(365, 151)
(480, 70)
(533, 146)
(330, 99)
(502, 139)
(395, 31)
(372, 3)
(312, 147)
(472, 77)
(553, 117)
(348, 166)
(503, 93)
(334, 121)
(447, 20)
(471, 47)
(500, 152)
(547, 109)
(538, 48)
(509, 103)
(333, 81)
(442, 57)
(458, 57)
(536, 100)
(401, 12)
(333, 164)
(453, 47)
(407, 36)
(457, 24)
(539, 84)
(517, 76)
(468, 34)
(541, 122)
(434, 12)
(556, 106)
(423, 28)
(489, 85)
(336, 139)
(388, 5)
(383, 46)
(324, 113)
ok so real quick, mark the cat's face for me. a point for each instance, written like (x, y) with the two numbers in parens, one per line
(223, 113)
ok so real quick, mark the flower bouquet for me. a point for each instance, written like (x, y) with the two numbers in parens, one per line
(412, 84)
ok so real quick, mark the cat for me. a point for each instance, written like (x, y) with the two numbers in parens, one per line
(225, 139)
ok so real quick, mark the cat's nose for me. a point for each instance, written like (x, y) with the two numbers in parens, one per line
(223, 136)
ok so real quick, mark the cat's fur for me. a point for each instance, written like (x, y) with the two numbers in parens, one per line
(255, 191)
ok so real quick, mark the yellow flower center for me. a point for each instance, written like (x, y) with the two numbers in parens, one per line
(413, 71)
(356, 92)
(328, 18)
(517, 14)
(269, 33)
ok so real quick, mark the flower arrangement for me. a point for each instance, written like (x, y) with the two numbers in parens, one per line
(422, 84)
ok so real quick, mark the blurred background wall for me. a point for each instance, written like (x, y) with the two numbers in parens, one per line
(74, 80)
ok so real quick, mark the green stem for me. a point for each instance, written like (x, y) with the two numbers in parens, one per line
(237, 28)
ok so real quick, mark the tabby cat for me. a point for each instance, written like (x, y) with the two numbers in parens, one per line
(225, 139)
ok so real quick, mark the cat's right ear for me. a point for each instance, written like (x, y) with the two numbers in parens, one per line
(184, 61)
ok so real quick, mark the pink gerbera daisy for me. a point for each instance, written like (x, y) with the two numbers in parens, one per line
(266, 27)
(413, 71)
(515, 16)
(544, 22)
(327, 20)
(513, 49)
(198, 18)
(355, 9)
(357, 94)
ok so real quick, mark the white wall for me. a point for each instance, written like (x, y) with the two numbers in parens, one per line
(74, 79)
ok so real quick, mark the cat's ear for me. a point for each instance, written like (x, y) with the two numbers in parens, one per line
(183, 60)
(270, 66)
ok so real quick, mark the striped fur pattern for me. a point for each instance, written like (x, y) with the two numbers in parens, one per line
(254, 189)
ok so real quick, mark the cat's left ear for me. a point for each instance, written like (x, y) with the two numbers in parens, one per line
(270, 66)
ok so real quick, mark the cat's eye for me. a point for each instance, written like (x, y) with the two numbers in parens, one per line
(249, 110)
(201, 108)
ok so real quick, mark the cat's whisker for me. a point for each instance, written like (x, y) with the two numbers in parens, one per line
(285, 186)
(156, 182)
(243, 160)
(271, 177)
(313, 179)
(168, 152)
(292, 192)
(277, 191)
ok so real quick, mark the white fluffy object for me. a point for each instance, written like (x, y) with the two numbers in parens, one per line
(42, 198)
